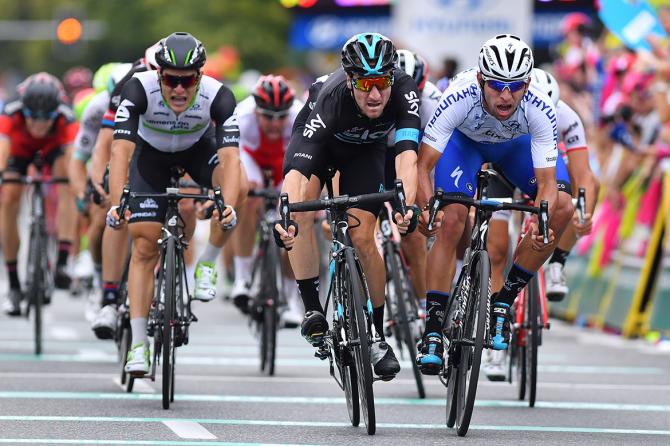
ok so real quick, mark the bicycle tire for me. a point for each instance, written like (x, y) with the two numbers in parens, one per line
(359, 329)
(347, 371)
(521, 342)
(270, 302)
(452, 400)
(37, 266)
(403, 295)
(475, 327)
(168, 320)
(532, 338)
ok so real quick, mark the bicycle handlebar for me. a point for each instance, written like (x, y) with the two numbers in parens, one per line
(271, 194)
(439, 200)
(36, 179)
(172, 193)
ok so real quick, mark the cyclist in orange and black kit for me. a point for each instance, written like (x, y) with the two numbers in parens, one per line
(39, 122)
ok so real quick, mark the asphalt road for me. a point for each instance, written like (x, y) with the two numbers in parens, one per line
(594, 389)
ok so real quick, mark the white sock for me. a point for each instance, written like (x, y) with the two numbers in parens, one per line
(459, 266)
(243, 268)
(291, 291)
(138, 328)
(211, 253)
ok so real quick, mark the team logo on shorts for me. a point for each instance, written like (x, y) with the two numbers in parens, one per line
(532, 181)
(469, 186)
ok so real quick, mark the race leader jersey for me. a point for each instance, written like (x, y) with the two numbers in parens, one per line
(139, 66)
(143, 112)
(334, 116)
(89, 126)
(430, 98)
(23, 145)
(267, 154)
(461, 108)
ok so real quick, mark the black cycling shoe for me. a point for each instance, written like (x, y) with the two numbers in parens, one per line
(62, 279)
(431, 354)
(314, 327)
(383, 360)
(241, 301)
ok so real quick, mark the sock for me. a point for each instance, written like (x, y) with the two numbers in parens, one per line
(309, 291)
(517, 278)
(110, 293)
(559, 256)
(211, 253)
(13, 273)
(63, 252)
(290, 289)
(436, 305)
(138, 328)
(243, 267)
(378, 319)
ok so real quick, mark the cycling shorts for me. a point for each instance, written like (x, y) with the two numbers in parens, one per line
(256, 172)
(150, 172)
(19, 164)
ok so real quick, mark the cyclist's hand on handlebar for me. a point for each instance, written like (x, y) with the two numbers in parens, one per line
(229, 218)
(423, 223)
(407, 223)
(113, 220)
(284, 238)
(582, 229)
(203, 211)
(537, 238)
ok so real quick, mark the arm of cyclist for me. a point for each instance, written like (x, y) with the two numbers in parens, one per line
(228, 139)
(428, 158)
(99, 161)
(582, 176)
(408, 129)
(133, 103)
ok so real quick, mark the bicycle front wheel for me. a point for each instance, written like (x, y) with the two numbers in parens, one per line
(472, 343)
(533, 318)
(169, 322)
(359, 337)
(406, 315)
(37, 266)
(270, 299)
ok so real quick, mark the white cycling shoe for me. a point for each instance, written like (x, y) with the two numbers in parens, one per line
(205, 282)
(137, 361)
(104, 324)
(495, 365)
(555, 282)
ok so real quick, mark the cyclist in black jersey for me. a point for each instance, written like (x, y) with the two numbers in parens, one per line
(345, 124)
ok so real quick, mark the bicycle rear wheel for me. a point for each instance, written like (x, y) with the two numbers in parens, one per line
(474, 333)
(37, 265)
(532, 337)
(270, 299)
(405, 317)
(359, 332)
(168, 322)
(521, 343)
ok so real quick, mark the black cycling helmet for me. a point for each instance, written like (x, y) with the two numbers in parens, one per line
(368, 54)
(41, 94)
(181, 51)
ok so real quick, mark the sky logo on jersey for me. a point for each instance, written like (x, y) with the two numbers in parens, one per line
(413, 101)
(449, 99)
(314, 125)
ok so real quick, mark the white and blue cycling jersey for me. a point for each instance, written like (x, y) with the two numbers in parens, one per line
(468, 136)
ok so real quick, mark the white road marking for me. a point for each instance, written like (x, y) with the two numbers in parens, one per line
(190, 430)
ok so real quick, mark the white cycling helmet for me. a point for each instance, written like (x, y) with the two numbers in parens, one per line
(547, 83)
(117, 73)
(150, 56)
(506, 58)
(414, 65)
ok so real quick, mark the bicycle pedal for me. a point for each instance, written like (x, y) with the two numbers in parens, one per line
(322, 353)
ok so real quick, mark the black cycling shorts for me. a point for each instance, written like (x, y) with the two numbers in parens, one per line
(20, 165)
(361, 167)
(150, 172)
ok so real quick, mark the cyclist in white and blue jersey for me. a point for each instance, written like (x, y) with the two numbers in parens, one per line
(489, 114)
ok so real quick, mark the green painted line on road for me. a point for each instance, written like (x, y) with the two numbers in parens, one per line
(283, 423)
(566, 405)
(104, 357)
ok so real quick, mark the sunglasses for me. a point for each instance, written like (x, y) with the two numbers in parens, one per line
(269, 114)
(173, 81)
(366, 83)
(500, 86)
(39, 115)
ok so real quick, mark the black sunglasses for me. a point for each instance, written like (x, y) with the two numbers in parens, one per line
(173, 81)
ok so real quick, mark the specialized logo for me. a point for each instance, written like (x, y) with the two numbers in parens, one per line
(456, 174)
(314, 125)
(172, 221)
(413, 100)
(122, 113)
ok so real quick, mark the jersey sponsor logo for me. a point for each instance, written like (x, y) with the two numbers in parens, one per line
(492, 134)
(191, 116)
(195, 106)
(357, 136)
(314, 125)
(546, 108)
(551, 159)
(149, 203)
(456, 174)
(231, 122)
(452, 98)
(161, 113)
(231, 140)
(429, 137)
(302, 155)
(122, 132)
(311, 105)
(136, 215)
(122, 113)
(413, 101)
(572, 140)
